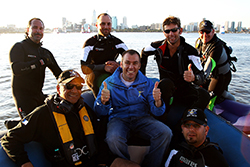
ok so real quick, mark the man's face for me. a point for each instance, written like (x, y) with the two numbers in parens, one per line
(206, 35)
(130, 65)
(68, 93)
(104, 25)
(171, 36)
(36, 30)
(194, 133)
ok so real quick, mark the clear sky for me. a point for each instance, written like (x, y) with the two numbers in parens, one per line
(138, 12)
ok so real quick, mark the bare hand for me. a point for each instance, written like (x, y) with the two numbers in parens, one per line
(157, 95)
(111, 66)
(105, 93)
(27, 164)
(189, 75)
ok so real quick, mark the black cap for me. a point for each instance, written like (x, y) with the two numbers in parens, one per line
(206, 25)
(69, 75)
(196, 115)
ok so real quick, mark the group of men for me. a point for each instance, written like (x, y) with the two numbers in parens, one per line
(75, 135)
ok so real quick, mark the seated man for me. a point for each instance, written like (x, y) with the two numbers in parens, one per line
(127, 97)
(197, 150)
(65, 127)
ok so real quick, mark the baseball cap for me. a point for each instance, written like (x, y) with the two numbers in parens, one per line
(206, 25)
(196, 115)
(68, 75)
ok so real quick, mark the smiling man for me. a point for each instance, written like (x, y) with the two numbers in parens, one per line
(197, 150)
(128, 97)
(100, 52)
(180, 72)
(28, 62)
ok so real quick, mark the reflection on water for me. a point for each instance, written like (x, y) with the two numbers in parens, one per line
(67, 51)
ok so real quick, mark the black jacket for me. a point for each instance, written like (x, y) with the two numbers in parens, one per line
(27, 72)
(173, 67)
(41, 128)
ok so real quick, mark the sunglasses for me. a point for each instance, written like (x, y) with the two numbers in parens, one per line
(196, 126)
(205, 31)
(71, 86)
(173, 30)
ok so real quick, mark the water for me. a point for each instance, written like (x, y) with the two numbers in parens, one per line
(67, 51)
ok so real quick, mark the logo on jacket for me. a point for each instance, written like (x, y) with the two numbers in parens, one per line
(188, 162)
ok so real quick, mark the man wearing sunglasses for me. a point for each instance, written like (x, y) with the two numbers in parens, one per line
(180, 72)
(66, 127)
(196, 150)
(215, 59)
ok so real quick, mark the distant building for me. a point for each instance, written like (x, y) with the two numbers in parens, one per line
(125, 24)
(239, 27)
(232, 26)
(226, 26)
(93, 18)
(114, 22)
(156, 26)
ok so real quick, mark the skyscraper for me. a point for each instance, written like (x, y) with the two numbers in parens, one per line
(114, 22)
(94, 18)
(226, 26)
(232, 26)
(125, 22)
(239, 27)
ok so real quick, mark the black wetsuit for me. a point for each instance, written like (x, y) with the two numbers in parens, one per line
(41, 127)
(28, 73)
(219, 78)
(96, 51)
(205, 155)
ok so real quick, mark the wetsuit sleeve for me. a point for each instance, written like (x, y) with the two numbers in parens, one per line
(26, 131)
(53, 66)
(147, 51)
(17, 61)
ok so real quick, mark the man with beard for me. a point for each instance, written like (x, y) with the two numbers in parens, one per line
(28, 62)
(100, 53)
(180, 73)
(197, 150)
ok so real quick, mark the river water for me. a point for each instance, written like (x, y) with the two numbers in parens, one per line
(66, 48)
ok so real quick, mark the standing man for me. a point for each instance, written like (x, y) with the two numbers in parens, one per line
(216, 62)
(128, 97)
(180, 72)
(70, 136)
(197, 150)
(28, 62)
(100, 53)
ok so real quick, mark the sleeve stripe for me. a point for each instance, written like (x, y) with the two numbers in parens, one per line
(197, 61)
(85, 52)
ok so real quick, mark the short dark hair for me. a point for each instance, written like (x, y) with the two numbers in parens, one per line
(171, 20)
(131, 52)
(104, 14)
(30, 21)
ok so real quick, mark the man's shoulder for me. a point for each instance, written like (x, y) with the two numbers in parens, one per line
(91, 41)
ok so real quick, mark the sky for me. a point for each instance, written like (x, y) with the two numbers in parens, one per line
(138, 12)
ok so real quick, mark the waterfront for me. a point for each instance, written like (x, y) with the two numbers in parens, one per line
(67, 51)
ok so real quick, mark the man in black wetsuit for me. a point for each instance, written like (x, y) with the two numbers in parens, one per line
(28, 62)
(180, 72)
(215, 60)
(100, 53)
(197, 150)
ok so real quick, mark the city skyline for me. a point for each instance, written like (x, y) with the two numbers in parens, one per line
(137, 12)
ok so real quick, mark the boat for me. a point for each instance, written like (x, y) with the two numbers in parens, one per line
(228, 133)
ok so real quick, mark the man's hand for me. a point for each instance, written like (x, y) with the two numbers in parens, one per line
(111, 66)
(189, 75)
(157, 95)
(105, 93)
(27, 164)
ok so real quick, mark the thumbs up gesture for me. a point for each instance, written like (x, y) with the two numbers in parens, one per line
(105, 93)
(157, 95)
(189, 75)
